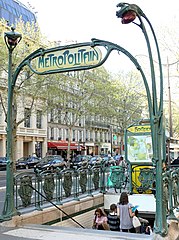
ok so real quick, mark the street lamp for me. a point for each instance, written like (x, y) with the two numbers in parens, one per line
(12, 39)
(128, 13)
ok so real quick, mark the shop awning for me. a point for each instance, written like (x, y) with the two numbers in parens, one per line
(63, 145)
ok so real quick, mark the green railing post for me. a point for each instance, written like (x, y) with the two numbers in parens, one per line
(170, 190)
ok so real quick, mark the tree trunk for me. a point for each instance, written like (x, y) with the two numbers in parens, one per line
(69, 151)
(122, 144)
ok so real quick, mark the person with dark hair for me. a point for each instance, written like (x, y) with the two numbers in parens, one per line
(113, 219)
(100, 220)
(137, 221)
(124, 211)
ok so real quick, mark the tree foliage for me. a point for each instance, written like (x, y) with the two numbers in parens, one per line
(26, 84)
(169, 40)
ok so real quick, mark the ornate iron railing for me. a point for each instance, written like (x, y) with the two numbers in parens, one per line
(59, 186)
(67, 185)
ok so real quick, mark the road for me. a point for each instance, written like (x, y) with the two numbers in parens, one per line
(2, 179)
(2, 189)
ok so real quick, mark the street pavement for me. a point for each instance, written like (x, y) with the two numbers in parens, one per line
(2, 189)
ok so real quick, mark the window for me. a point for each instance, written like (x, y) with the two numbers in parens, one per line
(39, 119)
(91, 135)
(66, 134)
(73, 135)
(101, 136)
(106, 136)
(5, 14)
(51, 115)
(59, 116)
(52, 133)
(80, 136)
(96, 136)
(73, 117)
(87, 135)
(80, 122)
(59, 134)
(27, 117)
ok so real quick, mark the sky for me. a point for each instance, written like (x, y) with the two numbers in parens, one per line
(81, 20)
(71, 21)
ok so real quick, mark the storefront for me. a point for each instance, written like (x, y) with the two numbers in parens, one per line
(105, 148)
(61, 147)
(90, 149)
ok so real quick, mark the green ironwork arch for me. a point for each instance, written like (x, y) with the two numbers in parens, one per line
(109, 47)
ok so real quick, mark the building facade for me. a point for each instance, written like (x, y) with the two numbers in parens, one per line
(13, 10)
(87, 137)
(31, 133)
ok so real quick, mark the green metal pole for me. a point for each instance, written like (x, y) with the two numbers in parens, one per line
(128, 13)
(159, 136)
(9, 209)
(11, 39)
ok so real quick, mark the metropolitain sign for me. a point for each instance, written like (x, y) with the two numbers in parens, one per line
(70, 58)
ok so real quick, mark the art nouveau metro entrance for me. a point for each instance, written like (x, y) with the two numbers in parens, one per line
(84, 56)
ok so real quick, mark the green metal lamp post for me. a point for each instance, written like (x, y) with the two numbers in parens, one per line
(128, 13)
(11, 39)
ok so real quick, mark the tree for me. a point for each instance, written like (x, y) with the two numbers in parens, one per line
(74, 96)
(27, 83)
(130, 101)
(169, 43)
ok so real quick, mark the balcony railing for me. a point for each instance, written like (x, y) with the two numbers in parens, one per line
(31, 132)
(97, 124)
(3, 129)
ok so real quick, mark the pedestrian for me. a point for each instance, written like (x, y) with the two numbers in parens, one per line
(100, 220)
(113, 219)
(125, 214)
(136, 222)
(122, 162)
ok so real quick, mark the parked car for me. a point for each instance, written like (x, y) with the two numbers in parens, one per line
(3, 163)
(27, 162)
(81, 160)
(51, 163)
(95, 160)
(109, 161)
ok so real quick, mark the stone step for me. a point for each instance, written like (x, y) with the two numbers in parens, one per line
(43, 232)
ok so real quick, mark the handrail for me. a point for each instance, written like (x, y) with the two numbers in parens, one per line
(55, 206)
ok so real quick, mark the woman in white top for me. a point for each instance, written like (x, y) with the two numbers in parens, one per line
(124, 211)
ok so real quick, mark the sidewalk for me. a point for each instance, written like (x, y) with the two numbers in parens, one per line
(39, 232)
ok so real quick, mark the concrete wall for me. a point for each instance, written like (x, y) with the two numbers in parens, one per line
(52, 213)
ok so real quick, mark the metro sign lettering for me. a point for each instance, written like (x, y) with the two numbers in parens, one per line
(68, 58)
